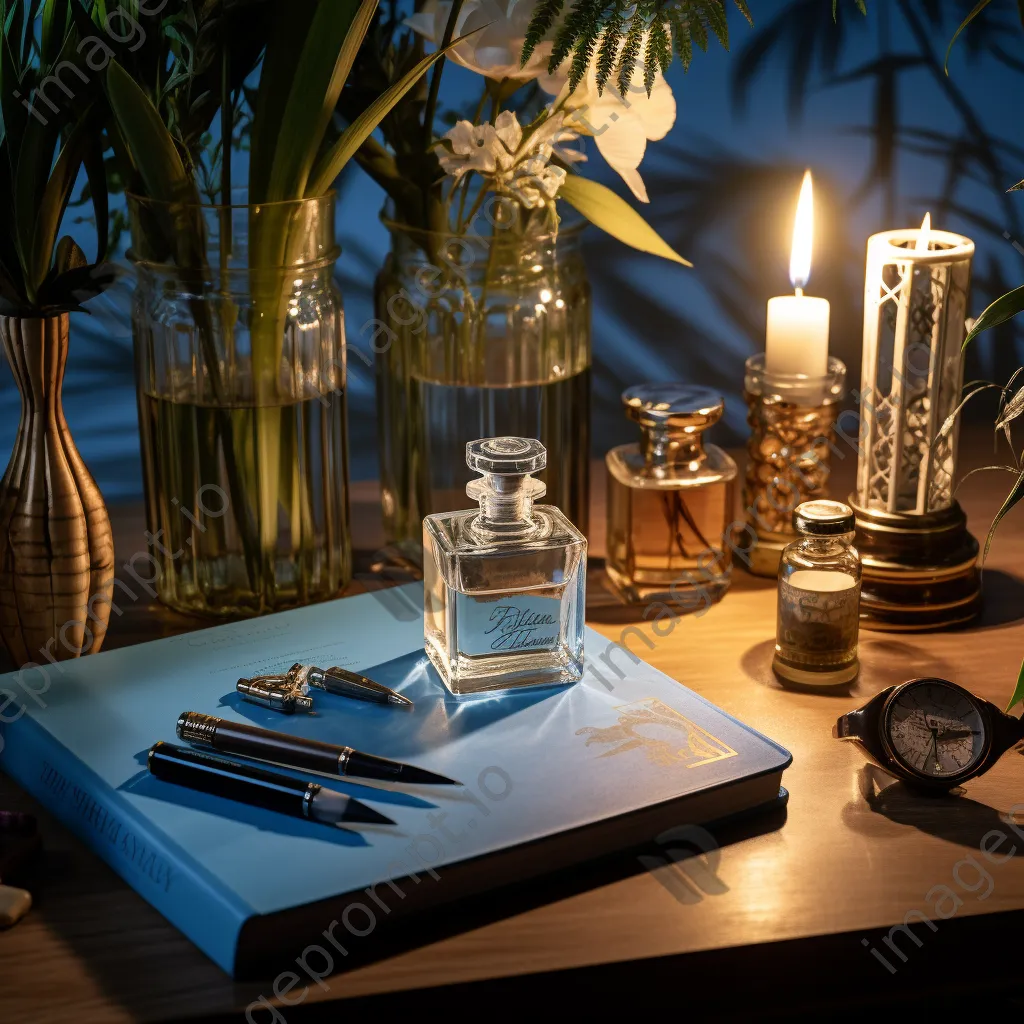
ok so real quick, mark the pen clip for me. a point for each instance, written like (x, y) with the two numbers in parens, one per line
(342, 682)
(279, 693)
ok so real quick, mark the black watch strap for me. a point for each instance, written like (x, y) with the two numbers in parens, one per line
(850, 726)
(1007, 731)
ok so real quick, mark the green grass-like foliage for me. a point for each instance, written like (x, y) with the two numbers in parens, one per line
(42, 151)
(623, 34)
(305, 49)
(1011, 406)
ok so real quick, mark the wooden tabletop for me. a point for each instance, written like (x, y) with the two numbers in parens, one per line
(786, 912)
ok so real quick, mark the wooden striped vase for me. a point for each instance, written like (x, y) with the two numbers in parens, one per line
(57, 560)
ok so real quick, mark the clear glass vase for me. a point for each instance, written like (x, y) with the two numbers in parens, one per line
(240, 362)
(480, 336)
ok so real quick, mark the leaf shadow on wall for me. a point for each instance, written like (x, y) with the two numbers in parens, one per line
(733, 217)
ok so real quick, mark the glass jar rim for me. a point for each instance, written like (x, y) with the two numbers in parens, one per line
(572, 228)
(137, 197)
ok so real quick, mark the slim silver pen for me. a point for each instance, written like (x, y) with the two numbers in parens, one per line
(290, 692)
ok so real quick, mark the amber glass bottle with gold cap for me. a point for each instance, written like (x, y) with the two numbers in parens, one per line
(670, 501)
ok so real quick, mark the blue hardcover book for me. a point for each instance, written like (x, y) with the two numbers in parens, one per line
(550, 777)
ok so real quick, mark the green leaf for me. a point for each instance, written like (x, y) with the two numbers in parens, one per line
(1018, 690)
(611, 213)
(52, 205)
(950, 420)
(67, 291)
(150, 145)
(1011, 499)
(54, 29)
(543, 18)
(35, 158)
(335, 35)
(39, 139)
(96, 172)
(1004, 308)
(288, 33)
(1011, 410)
(975, 11)
(69, 256)
(1020, 184)
(333, 161)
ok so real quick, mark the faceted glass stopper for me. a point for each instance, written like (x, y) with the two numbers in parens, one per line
(673, 406)
(506, 456)
(823, 518)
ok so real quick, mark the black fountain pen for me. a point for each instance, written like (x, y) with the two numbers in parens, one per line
(297, 752)
(260, 787)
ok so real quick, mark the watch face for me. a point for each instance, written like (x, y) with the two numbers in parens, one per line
(935, 729)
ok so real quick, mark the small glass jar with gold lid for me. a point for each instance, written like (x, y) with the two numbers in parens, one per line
(819, 598)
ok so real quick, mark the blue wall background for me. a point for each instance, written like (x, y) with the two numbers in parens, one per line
(863, 103)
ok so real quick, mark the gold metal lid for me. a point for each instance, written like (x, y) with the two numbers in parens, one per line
(823, 518)
(673, 406)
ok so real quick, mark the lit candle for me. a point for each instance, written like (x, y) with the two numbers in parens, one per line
(796, 341)
(924, 236)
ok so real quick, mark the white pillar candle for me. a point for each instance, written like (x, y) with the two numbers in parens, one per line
(796, 339)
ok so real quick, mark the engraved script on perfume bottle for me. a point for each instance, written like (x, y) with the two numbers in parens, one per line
(509, 624)
(515, 629)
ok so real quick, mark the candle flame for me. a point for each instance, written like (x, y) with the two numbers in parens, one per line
(803, 236)
(921, 245)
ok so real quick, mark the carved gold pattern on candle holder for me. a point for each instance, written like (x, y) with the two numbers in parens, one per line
(788, 453)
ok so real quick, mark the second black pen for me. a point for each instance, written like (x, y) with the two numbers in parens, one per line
(297, 752)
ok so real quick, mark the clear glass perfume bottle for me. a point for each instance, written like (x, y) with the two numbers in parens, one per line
(504, 585)
(819, 598)
(670, 500)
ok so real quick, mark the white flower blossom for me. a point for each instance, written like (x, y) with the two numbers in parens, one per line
(473, 148)
(495, 49)
(515, 165)
(535, 182)
(621, 126)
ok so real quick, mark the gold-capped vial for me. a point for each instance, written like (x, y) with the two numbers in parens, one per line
(823, 518)
(819, 598)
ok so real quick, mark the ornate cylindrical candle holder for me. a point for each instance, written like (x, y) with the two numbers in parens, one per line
(792, 429)
(918, 558)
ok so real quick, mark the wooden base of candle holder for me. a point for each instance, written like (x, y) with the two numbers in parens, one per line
(764, 555)
(920, 571)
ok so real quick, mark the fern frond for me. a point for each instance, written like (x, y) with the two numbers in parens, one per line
(572, 30)
(650, 64)
(610, 45)
(583, 52)
(542, 20)
(614, 35)
(630, 55)
(715, 18)
(658, 55)
(681, 39)
(664, 48)
(698, 28)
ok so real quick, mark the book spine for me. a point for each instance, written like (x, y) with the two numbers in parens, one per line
(107, 823)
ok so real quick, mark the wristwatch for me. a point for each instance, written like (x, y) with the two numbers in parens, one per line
(931, 733)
